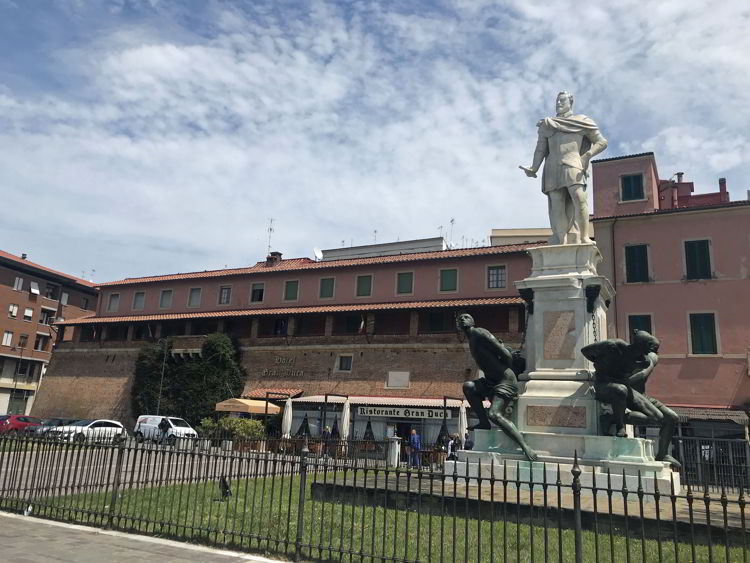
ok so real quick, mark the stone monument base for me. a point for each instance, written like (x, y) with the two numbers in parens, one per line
(604, 461)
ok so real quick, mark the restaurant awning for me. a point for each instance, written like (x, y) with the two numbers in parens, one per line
(249, 406)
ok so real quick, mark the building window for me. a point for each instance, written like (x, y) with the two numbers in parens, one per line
(139, 300)
(18, 284)
(348, 324)
(496, 278)
(326, 288)
(405, 283)
(703, 334)
(28, 314)
(256, 292)
(632, 187)
(64, 298)
(344, 362)
(23, 367)
(41, 342)
(449, 280)
(23, 340)
(114, 302)
(639, 322)
(364, 286)
(397, 380)
(636, 263)
(52, 291)
(12, 311)
(46, 317)
(698, 260)
(291, 290)
(225, 294)
(34, 288)
(84, 302)
(194, 297)
(165, 299)
(7, 338)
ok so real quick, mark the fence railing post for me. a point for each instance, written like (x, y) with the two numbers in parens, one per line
(301, 501)
(576, 471)
(116, 482)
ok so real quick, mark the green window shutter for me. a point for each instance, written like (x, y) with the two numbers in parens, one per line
(703, 333)
(405, 282)
(448, 280)
(636, 263)
(697, 260)
(364, 286)
(632, 187)
(639, 322)
(326, 288)
(290, 290)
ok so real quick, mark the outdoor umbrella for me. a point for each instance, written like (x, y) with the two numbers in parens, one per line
(463, 425)
(345, 420)
(304, 429)
(286, 420)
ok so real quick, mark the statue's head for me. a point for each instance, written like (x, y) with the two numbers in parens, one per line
(464, 321)
(564, 102)
(644, 342)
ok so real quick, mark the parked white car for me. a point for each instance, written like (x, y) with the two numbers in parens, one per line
(147, 428)
(88, 430)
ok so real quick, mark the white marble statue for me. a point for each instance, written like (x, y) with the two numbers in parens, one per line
(566, 144)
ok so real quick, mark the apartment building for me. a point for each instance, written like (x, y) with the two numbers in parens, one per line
(32, 298)
(680, 265)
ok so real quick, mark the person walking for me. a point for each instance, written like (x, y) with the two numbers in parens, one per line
(415, 447)
(468, 442)
(164, 429)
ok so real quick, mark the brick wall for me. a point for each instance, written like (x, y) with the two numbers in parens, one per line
(88, 383)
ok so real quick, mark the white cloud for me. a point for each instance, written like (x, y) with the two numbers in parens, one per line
(172, 146)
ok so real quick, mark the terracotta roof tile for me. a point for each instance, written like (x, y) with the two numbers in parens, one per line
(29, 264)
(293, 264)
(299, 310)
(261, 393)
(659, 212)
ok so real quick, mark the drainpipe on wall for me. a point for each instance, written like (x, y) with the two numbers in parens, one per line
(614, 272)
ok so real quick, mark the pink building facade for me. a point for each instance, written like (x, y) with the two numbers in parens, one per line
(680, 265)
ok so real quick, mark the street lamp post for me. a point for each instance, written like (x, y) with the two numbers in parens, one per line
(161, 380)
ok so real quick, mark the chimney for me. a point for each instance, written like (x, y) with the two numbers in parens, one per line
(722, 185)
(679, 177)
(273, 258)
(23, 256)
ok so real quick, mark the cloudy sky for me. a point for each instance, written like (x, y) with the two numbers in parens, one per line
(145, 136)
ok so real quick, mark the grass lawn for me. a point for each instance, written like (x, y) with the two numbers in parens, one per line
(262, 516)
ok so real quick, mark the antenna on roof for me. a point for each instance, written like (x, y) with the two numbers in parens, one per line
(318, 253)
(375, 236)
(270, 232)
(450, 238)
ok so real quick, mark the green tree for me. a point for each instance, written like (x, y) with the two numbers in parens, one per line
(191, 387)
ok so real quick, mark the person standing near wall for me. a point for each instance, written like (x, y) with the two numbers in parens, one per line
(415, 445)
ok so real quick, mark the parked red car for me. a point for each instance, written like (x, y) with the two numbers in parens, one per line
(18, 423)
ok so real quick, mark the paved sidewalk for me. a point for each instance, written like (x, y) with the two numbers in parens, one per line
(34, 540)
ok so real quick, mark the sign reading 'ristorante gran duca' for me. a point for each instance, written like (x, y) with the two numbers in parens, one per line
(403, 412)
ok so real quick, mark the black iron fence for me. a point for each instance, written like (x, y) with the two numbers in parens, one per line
(293, 504)
(715, 462)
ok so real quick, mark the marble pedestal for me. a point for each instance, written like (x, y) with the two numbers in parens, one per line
(566, 301)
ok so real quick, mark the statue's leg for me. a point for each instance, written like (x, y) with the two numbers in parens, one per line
(496, 414)
(475, 398)
(616, 395)
(666, 432)
(558, 219)
(581, 210)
